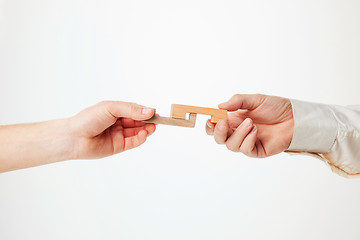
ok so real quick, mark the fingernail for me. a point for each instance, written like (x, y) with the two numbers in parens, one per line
(209, 125)
(247, 122)
(146, 111)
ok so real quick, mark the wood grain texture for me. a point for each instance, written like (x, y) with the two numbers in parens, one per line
(173, 121)
(179, 112)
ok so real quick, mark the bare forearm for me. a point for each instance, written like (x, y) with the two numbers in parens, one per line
(28, 145)
(107, 128)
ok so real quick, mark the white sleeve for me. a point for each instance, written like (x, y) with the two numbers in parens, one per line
(331, 133)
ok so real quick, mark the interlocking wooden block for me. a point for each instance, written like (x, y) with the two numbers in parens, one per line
(178, 115)
(180, 111)
(173, 121)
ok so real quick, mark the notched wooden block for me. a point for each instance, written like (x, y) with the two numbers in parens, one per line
(173, 121)
(178, 115)
(180, 111)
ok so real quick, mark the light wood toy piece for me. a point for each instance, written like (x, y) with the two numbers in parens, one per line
(178, 115)
(180, 111)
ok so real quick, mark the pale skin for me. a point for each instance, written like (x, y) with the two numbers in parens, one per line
(258, 125)
(102, 130)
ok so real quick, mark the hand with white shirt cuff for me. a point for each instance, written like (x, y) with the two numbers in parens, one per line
(261, 126)
(257, 125)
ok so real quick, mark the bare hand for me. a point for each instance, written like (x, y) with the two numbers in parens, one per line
(110, 127)
(258, 125)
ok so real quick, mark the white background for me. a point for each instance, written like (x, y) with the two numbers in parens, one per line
(58, 57)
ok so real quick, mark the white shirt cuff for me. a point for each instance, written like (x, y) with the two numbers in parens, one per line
(315, 127)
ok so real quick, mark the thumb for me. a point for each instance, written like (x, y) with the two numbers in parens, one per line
(243, 101)
(129, 110)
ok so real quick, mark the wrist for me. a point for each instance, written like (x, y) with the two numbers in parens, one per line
(290, 132)
(64, 141)
(34, 144)
(291, 124)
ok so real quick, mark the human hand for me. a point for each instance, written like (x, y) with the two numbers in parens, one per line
(258, 125)
(108, 128)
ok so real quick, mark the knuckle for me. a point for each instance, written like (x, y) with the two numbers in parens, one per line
(248, 151)
(104, 103)
(259, 96)
(231, 147)
(218, 141)
(236, 96)
(134, 107)
(248, 155)
(245, 151)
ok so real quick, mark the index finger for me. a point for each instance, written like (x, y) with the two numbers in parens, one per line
(133, 111)
(243, 101)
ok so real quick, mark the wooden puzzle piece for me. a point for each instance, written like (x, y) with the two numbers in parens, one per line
(180, 111)
(173, 121)
(178, 115)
